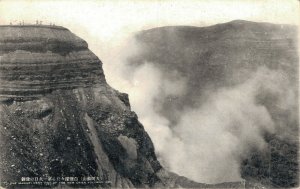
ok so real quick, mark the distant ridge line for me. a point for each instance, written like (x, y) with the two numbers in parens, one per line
(36, 26)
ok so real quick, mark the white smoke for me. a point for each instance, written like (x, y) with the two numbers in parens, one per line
(218, 134)
(209, 141)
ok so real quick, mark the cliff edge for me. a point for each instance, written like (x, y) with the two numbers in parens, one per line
(61, 122)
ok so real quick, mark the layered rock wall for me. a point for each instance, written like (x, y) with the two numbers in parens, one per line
(36, 60)
(59, 118)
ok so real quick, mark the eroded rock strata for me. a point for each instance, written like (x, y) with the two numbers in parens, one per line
(59, 117)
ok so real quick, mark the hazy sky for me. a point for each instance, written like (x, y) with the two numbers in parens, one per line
(106, 26)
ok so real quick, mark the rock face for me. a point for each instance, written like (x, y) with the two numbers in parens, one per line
(59, 117)
(38, 60)
(224, 56)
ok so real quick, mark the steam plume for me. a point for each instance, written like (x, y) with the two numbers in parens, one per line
(209, 141)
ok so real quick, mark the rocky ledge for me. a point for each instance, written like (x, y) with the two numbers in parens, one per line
(60, 119)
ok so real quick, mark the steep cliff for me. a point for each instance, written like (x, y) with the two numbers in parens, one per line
(61, 121)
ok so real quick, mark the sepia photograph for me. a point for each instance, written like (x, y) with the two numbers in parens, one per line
(149, 94)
